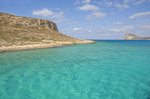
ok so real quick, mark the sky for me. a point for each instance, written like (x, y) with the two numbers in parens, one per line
(87, 19)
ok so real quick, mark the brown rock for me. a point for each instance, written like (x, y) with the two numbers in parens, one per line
(21, 31)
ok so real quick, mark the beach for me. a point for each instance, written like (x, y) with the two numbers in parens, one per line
(38, 45)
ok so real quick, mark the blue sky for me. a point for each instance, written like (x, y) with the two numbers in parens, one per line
(87, 19)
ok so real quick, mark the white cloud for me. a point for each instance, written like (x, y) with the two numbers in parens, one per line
(44, 12)
(89, 30)
(126, 1)
(80, 29)
(109, 32)
(127, 28)
(108, 3)
(140, 2)
(57, 16)
(82, 1)
(88, 7)
(48, 13)
(146, 26)
(139, 14)
(94, 11)
(77, 29)
(96, 14)
(114, 30)
(118, 23)
(86, 1)
(124, 28)
(135, 2)
(122, 6)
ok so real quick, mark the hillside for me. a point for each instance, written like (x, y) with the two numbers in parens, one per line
(134, 37)
(17, 33)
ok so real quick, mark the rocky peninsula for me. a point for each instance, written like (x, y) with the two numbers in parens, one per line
(134, 37)
(22, 33)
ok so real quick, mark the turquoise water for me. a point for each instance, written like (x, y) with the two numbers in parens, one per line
(104, 70)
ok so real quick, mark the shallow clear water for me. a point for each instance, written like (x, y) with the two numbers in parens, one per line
(104, 70)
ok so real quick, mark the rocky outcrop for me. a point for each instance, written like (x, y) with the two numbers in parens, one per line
(134, 37)
(12, 20)
(25, 31)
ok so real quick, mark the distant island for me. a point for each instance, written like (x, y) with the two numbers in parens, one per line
(20, 33)
(134, 37)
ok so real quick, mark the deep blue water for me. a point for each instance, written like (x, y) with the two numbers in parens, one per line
(108, 69)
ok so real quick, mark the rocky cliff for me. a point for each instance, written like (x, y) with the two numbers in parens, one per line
(134, 37)
(18, 31)
(18, 21)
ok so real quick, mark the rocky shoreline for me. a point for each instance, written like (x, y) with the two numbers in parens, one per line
(40, 45)
(24, 33)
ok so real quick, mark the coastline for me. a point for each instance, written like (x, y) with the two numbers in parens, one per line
(24, 33)
(41, 45)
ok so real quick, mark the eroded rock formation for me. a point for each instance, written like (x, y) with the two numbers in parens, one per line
(134, 37)
(18, 30)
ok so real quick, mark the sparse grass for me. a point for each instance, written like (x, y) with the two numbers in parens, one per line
(15, 33)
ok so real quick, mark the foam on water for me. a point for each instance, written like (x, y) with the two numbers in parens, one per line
(104, 70)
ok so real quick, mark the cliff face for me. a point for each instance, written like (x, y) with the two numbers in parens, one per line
(134, 37)
(17, 30)
(18, 21)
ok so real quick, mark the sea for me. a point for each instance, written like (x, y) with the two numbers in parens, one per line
(108, 69)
